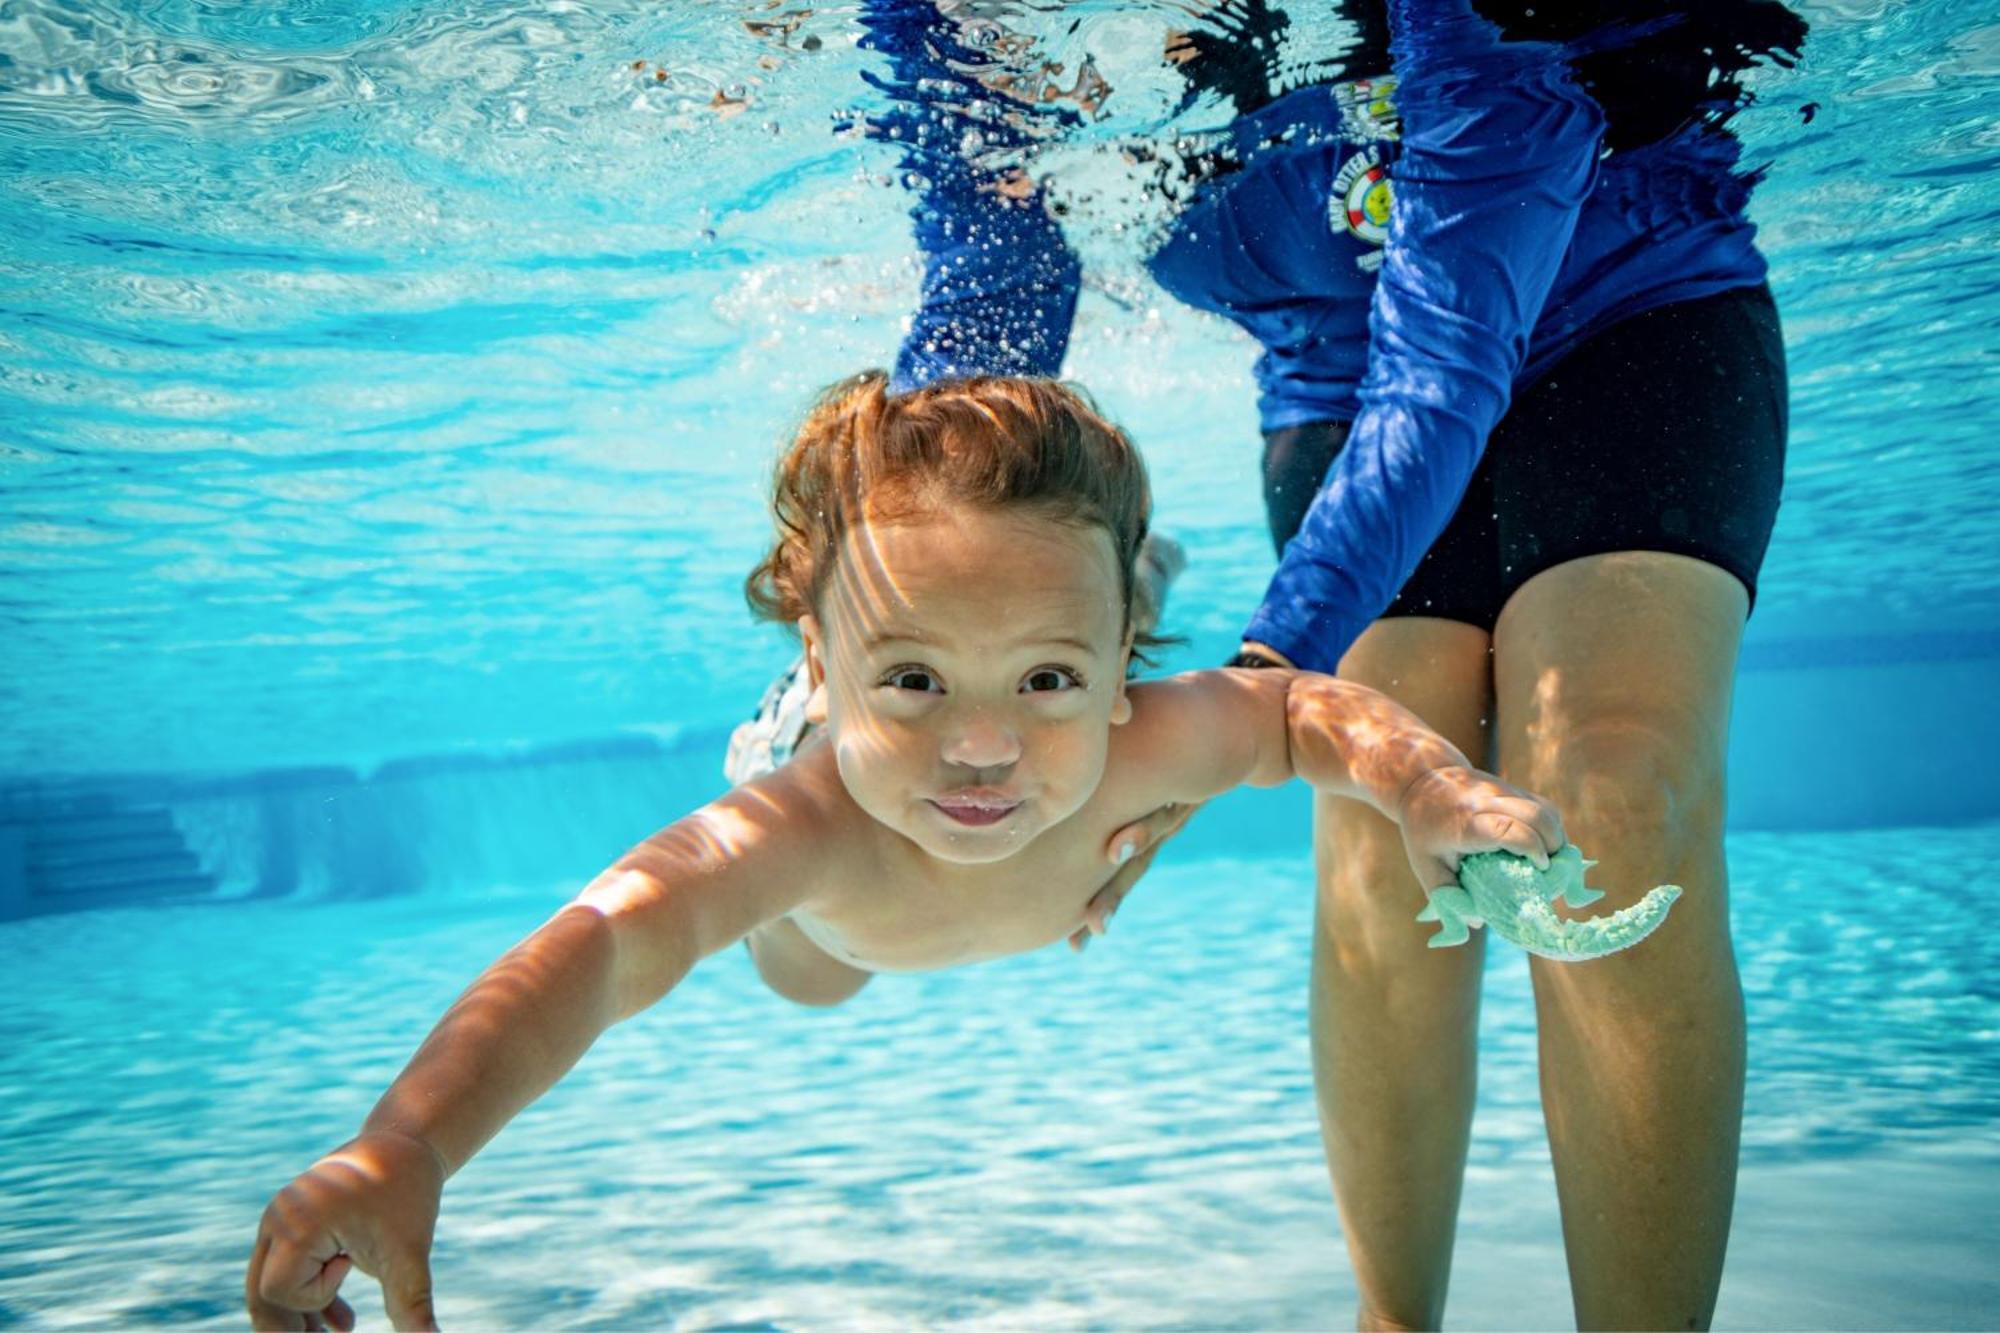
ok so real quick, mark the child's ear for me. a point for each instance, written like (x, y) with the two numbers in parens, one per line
(1121, 707)
(815, 643)
(814, 639)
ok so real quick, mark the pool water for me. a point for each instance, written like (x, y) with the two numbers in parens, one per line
(385, 378)
(386, 395)
(1125, 1139)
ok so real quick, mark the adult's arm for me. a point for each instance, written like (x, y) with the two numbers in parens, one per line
(1000, 282)
(1499, 151)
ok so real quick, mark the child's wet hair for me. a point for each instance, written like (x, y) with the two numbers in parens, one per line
(993, 441)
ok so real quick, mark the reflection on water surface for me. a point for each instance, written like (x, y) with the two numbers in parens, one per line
(380, 370)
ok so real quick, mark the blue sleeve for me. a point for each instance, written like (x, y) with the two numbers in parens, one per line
(1000, 282)
(1499, 150)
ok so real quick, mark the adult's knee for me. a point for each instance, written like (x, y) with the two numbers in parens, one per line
(1363, 869)
(1638, 782)
(1370, 942)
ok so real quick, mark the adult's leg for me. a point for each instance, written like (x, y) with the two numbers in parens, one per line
(1394, 1022)
(1613, 677)
(1636, 487)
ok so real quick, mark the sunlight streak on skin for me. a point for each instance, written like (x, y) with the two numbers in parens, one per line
(981, 732)
(1537, 833)
(1387, 741)
(704, 843)
(877, 598)
(1059, 581)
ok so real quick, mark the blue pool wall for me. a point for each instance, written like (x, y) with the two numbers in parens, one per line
(1829, 733)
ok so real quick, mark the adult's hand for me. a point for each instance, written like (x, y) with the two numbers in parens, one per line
(1263, 655)
(1132, 850)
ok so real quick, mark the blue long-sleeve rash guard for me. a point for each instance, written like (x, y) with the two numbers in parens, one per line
(1000, 283)
(1499, 152)
(1507, 242)
(1500, 156)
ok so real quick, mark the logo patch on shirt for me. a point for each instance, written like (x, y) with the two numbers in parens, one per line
(1368, 109)
(1361, 200)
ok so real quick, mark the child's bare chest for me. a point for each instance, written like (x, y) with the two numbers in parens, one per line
(912, 922)
(891, 910)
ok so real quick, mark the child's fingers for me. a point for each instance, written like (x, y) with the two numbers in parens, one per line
(1433, 872)
(292, 1304)
(1547, 822)
(1542, 824)
(1537, 816)
(406, 1296)
(273, 1302)
(261, 1313)
(1508, 834)
(294, 1272)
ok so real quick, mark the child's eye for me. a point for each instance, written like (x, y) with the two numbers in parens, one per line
(920, 679)
(1049, 678)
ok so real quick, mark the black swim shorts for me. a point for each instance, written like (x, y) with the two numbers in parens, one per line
(1663, 432)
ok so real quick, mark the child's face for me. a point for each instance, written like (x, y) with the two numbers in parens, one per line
(974, 664)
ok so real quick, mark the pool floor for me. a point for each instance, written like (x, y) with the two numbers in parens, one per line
(1126, 1139)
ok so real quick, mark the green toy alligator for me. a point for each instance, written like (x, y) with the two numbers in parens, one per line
(1506, 892)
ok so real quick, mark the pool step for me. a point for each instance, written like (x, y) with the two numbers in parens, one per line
(65, 853)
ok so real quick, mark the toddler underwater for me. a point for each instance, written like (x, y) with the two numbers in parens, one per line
(960, 564)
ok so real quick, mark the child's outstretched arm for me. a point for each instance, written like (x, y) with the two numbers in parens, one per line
(1353, 741)
(687, 892)
(1272, 725)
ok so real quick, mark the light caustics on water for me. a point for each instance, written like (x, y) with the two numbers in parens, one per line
(395, 378)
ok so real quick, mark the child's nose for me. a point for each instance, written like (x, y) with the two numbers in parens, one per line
(981, 740)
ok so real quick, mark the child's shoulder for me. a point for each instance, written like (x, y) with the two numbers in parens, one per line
(1203, 732)
(1194, 695)
(802, 805)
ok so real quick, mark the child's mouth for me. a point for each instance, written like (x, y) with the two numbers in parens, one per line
(977, 811)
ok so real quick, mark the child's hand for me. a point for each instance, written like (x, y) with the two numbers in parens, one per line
(371, 1204)
(1448, 813)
